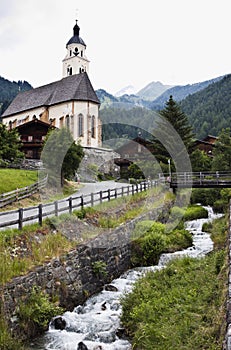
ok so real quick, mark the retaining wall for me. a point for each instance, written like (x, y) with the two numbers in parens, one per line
(72, 277)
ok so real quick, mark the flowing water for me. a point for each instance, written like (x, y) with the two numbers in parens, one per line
(97, 322)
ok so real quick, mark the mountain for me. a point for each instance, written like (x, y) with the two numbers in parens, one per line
(153, 90)
(209, 110)
(8, 91)
(125, 101)
(180, 92)
(127, 90)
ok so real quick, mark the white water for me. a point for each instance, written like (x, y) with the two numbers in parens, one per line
(97, 321)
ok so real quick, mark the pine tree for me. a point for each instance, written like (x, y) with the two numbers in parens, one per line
(173, 136)
(9, 144)
(222, 152)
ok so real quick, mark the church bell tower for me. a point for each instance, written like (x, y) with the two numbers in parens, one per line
(75, 61)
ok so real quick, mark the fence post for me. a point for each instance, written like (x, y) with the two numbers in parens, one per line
(81, 202)
(92, 199)
(137, 188)
(20, 218)
(56, 208)
(122, 191)
(115, 193)
(145, 184)
(40, 217)
(109, 195)
(133, 190)
(70, 205)
(100, 196)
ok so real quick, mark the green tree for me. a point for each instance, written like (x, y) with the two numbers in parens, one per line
(61, 156)
(222, 152)
(172, 129)
(10, 144)
(200, 161)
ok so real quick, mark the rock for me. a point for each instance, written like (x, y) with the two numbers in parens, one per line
(103, 306)
(82, 346)
(121, 332)
(110, 288)
(59, 323)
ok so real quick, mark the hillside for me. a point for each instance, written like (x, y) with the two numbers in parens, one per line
(209, 110)
(8, 91)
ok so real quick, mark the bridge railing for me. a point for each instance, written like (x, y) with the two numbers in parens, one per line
(200, 177)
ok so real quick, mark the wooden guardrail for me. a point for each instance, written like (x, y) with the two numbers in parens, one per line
(38, 213)
(13, 196)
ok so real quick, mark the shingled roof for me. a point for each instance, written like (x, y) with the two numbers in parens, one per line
(75, 87)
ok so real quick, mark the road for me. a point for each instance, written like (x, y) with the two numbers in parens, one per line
(10, 217)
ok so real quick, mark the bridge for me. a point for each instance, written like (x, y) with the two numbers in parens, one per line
(200, 180)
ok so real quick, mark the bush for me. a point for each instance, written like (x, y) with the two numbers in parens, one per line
(205, 196)
(143, 227)
(179, 239)
(37, 311)
(194, 212)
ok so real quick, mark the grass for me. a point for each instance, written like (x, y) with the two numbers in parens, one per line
(11, 179)
(182, 306)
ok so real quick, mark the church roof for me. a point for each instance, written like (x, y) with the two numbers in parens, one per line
(75, 87)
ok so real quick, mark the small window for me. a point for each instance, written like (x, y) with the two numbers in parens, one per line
(82, 53)
(30, 138)
(70, 52)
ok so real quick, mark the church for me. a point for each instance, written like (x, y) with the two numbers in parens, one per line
(70, 102)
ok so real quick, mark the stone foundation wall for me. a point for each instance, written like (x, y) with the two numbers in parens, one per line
(96, 159)
(72, 277)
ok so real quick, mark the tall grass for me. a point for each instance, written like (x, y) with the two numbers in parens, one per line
(15, 261)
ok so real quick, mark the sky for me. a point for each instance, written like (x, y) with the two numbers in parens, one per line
(129, 42)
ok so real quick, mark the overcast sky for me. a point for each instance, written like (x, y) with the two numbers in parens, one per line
(128, 41)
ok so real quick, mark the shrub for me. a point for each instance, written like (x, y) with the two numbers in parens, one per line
(147, 249)
(141, 228)
(194, 212)
(37, 311)
(99, 268)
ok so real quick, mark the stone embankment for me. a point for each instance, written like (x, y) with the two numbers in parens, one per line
(72, 277)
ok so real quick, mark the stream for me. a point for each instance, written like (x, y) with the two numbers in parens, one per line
(96, 324)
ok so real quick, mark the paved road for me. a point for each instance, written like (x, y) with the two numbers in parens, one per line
(49, 209)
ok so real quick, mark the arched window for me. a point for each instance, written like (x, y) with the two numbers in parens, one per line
(67, 122)
(69, 70)
(93, 126)
(80, 125)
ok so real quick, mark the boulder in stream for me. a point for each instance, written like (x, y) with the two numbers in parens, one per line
(82, 346)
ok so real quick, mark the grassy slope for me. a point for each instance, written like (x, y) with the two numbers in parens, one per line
(183, 306)
(11, 179)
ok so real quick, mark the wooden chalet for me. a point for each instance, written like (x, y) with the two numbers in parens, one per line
(32, 135)
(207, 144)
